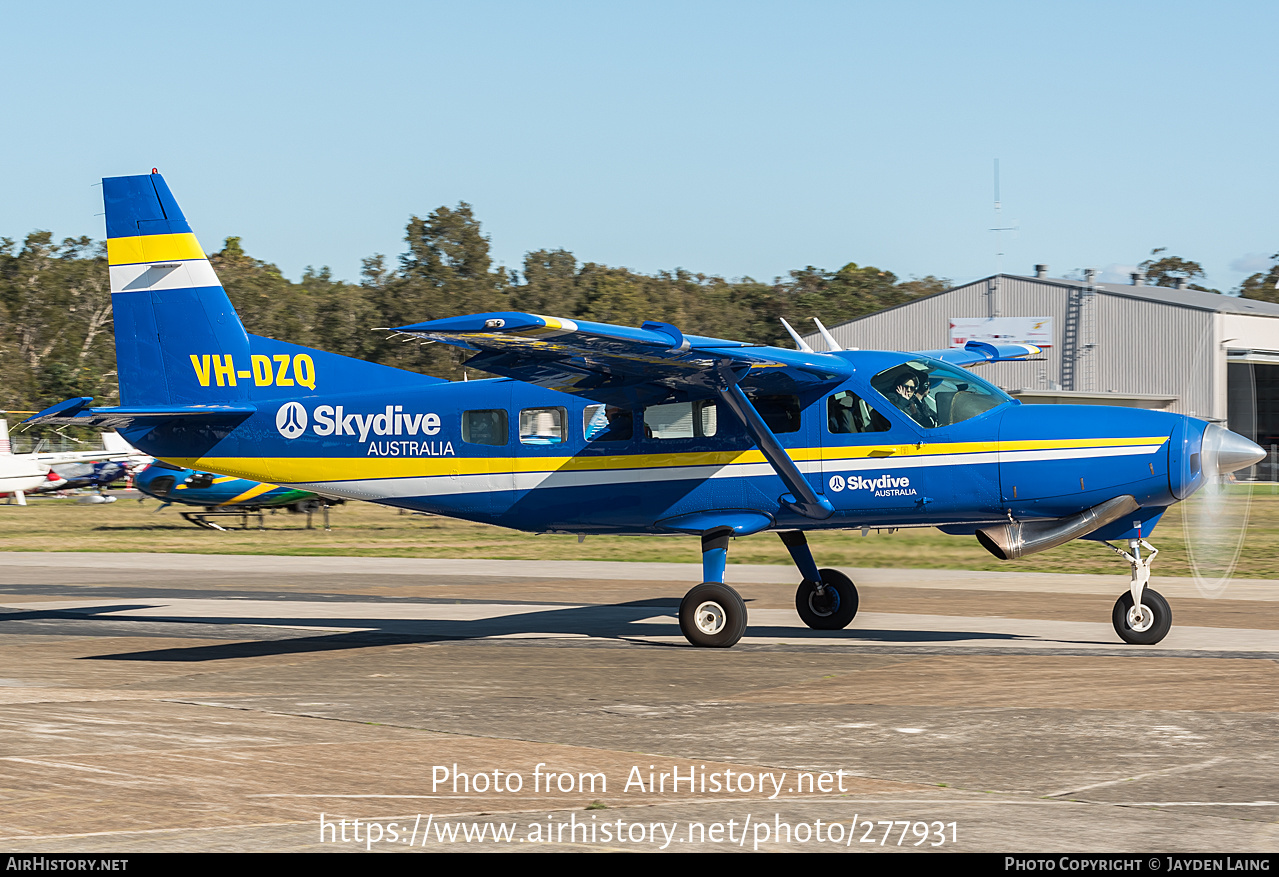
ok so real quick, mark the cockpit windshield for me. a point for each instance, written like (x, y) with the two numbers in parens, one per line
(934, 394)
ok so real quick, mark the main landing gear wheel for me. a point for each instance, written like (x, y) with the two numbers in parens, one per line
(831, 610)
(1145, 627)
(712, 615)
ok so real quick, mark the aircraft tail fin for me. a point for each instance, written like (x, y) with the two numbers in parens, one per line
(178, 339)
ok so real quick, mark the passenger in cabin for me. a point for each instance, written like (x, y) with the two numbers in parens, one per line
(610, 424)
(847, 413)
(841, 415)
(485, 428)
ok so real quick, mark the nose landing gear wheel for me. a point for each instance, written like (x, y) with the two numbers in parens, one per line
(1145, 627)
(712, 615)
(832, 610)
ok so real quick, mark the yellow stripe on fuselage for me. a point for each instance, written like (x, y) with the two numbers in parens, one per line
(852, 452)
(153, 248)
(294, 470)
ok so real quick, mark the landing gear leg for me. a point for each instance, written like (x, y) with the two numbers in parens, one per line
(826, 598)
(1141, 616)
(712, 614)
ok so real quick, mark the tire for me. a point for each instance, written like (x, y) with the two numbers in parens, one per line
(712, 615)
(1149, 634)
(833, 611)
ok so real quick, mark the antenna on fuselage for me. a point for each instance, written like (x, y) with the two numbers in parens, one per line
(831, 344)
(800, 343)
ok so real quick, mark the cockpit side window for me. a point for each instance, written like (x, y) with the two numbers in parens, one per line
(934, 394)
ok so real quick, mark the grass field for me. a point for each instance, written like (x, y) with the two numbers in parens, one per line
(362, 529)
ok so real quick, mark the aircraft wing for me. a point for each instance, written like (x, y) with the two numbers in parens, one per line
(981, 352)
(653, 364)
(620, 365)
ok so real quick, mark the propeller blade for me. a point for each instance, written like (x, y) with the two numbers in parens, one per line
(1216, 516)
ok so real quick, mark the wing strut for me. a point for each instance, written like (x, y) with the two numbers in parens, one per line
(802, 498)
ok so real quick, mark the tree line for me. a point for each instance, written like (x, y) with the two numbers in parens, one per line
(57, 339)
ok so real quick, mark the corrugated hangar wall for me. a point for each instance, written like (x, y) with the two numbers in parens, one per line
(1141, 346)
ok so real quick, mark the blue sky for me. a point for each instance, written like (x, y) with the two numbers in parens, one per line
(727, 138)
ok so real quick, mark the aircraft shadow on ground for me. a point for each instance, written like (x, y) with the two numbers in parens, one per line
(618, 621)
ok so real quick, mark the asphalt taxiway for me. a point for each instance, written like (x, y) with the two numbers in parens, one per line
(190, 702)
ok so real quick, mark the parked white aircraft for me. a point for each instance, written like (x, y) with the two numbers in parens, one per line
(20, 473)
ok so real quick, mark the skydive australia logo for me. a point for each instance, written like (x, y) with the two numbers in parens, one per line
(884, 485)
(292, 420)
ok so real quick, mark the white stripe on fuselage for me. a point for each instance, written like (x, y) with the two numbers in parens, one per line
(446, 485)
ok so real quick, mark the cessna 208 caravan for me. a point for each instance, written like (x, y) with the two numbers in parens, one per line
(595, 428)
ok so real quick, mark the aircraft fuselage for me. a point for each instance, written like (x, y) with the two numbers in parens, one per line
(508, 453)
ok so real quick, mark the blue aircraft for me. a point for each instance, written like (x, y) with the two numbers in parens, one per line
(223, 495)
(595, 428)
(77, 476)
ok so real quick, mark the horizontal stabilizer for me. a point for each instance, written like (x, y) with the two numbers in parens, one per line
(626, 366)
(78, 413)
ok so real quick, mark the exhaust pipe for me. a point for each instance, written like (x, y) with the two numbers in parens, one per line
(1013, 540)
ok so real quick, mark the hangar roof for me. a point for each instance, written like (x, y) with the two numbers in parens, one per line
(1186, 298)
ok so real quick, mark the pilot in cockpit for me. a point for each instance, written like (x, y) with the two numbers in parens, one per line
(910, 394)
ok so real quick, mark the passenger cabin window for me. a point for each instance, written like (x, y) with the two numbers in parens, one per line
(542, 426)
(680, 420)
(485, 427)
(847, 412)
(607, 423)
(934, 394)
(780, 413)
